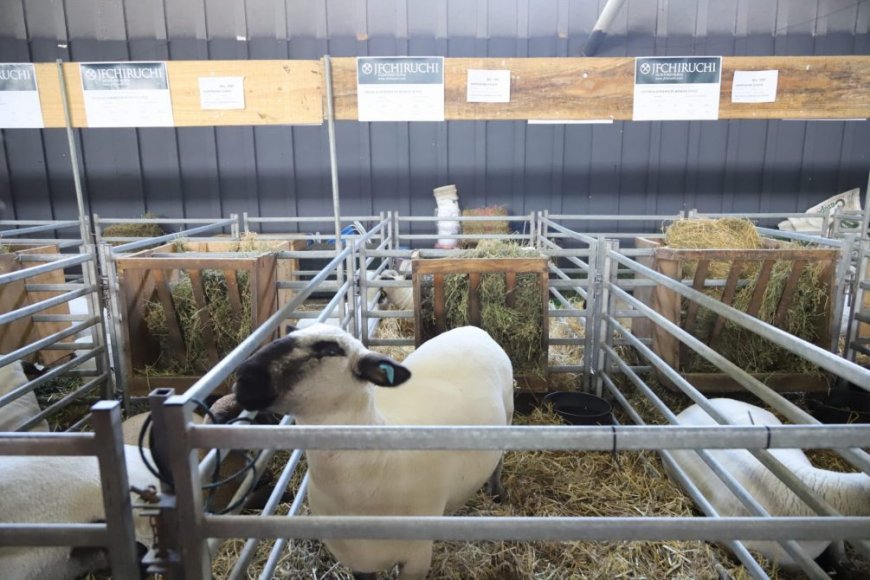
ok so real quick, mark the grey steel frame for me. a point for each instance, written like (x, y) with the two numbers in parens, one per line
(602, 288)
(108, 256)
(87, 285)
(106, 443)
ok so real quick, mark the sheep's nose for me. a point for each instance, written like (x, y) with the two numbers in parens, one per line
(254, 399)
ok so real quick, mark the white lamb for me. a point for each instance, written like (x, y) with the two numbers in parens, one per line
(848, 493)
(324, 376)
(60, 490)
(19, 411)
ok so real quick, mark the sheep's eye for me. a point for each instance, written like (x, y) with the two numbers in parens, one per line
(326, 348)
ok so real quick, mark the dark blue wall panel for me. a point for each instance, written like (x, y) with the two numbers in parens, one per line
(624, 167)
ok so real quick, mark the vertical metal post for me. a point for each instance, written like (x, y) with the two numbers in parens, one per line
(363, 296)
(840, 288)
(73, 155)
(245, 225)
(184, 463)
(106, 420)
(590, 347)
(333, 172)
(96, 300)
(608, 277)
(120, 344)
(234, 227)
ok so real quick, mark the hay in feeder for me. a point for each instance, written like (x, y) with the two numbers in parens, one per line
(807, 311)
(542, 483)
(518, 328)
(135, 230)
(711, 234)
(229, 327)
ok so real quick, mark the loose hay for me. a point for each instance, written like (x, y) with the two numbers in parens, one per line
(133, 230)
(517, 328)
(807, 311)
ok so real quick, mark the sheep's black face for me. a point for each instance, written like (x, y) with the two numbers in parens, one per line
(269, 379)
(254, 386)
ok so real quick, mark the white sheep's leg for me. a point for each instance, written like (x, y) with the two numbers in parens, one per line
(494, 486)
(417, 562)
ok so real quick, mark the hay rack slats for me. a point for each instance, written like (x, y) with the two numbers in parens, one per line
(150, 275)
(475, 269)
(671, 262)
(16, 295)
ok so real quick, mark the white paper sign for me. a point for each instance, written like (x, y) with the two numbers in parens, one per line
(489, 86)
(19, 97)
(754, 86)
(677, 88)
(222, 92)
(400, 88)
(126, 94)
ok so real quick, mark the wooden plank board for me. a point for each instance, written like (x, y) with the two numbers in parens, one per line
(277, 92)
(832, 87)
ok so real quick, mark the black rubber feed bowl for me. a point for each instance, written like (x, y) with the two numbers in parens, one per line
(581, 408)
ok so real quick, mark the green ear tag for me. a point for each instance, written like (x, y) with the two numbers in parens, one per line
(389, 371)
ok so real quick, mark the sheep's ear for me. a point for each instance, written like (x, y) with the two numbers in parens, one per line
(382, 370)
(289, 328)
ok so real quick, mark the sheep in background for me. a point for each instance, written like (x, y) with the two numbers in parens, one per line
(17, 412)
(324, 376)
(401, 298)
(848, 493)
(40, 489)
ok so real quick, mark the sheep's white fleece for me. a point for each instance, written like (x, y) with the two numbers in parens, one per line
(848, 493)
(461, 377)
(58, 490)
(16, 413)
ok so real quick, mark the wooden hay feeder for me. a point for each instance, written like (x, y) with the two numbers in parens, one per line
(151, 274)
(671, 262)
(15, 295)
(474, 268)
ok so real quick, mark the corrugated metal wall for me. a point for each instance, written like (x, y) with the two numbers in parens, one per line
(621, 168)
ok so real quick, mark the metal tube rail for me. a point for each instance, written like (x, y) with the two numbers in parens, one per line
(816, 355)
(249, 550)
(753, 568)
(783, 473)
(64, 402)
(220, 224)
(43, 269)
(579, 529)
(42, 379)
(48, 340)
(856, 457)
(60, 243)
(275, 553)
(205, 385)
(72, 535)
(39, 228)
(529, 438)
(66, 445)
(26, 311)
(549, 223)
(323, 219)
(800, 237)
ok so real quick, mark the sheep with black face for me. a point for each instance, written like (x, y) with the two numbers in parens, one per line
(324, 376)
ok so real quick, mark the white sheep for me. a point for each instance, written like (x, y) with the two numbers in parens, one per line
(402, 298)
(848, 493)
(17, 412)
(323, 376)
(40, 489)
